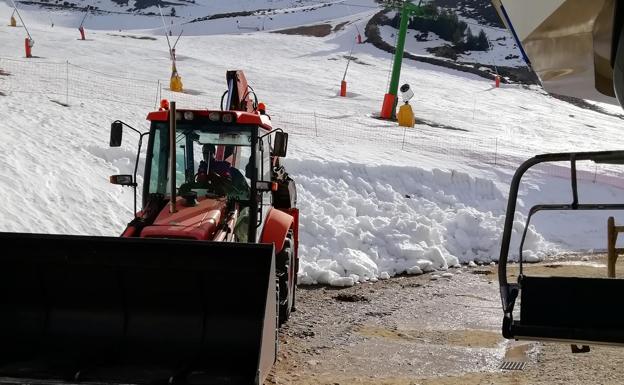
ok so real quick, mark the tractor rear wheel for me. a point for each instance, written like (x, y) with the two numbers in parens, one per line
(287, 278)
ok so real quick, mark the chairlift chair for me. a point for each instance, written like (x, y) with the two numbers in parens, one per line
(566, 309)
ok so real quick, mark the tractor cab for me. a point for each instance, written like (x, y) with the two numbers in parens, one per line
(222, 159)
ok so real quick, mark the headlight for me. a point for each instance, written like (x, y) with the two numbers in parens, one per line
(227, 118)
(214, 116)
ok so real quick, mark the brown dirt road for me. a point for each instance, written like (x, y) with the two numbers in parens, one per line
(429, 329)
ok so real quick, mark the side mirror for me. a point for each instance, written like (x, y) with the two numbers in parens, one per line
(116, 133)
(122, 180)
(280, 144)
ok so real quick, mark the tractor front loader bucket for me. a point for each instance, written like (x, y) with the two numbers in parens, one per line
(128, 310)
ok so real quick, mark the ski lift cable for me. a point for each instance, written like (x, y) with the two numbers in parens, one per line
(22, 20)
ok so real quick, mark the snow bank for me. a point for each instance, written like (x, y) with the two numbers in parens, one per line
(361, 223)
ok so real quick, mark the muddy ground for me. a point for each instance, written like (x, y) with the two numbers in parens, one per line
(430, 329)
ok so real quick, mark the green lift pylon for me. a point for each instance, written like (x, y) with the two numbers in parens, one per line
(390, 99)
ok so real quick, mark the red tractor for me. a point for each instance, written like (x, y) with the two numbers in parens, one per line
(196, 287)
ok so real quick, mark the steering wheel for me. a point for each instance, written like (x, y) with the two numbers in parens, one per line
(215, 182)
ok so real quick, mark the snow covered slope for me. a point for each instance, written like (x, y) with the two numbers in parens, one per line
(194, 17)
(376, 200)
(465, 35)
(503, 50)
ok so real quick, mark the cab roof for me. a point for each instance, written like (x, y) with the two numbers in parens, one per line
(241, 117)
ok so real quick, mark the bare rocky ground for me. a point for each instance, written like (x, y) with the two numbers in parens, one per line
(430, 329)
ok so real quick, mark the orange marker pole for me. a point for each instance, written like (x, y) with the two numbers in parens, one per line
(82, 32)
(497, 81)
(387, 109)
(28, 47)
(343, 88)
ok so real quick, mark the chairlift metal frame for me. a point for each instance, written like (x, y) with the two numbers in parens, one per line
(564, 309)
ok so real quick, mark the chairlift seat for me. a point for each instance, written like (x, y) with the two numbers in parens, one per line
(571, 309)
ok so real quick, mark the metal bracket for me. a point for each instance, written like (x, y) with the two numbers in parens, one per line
(580, 349)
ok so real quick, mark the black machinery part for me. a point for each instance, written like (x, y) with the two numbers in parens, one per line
(618, 64)
(286, 195)
(128, 310)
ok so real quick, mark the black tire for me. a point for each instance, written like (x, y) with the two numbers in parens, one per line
(295, 273)
(285, 263)
(293, 307)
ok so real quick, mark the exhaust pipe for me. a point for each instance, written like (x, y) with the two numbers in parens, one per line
(172, 155)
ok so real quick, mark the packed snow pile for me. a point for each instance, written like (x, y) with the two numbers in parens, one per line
(362, 223)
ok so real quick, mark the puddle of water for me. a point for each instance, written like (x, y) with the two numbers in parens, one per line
(560, 269)
(518, 351)
(580, 263)
(470, 338)
(469, 378)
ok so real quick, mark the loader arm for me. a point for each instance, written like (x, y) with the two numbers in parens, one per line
(239, 92)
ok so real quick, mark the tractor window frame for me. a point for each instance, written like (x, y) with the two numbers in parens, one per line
(264, 173)
(154, 164)
(149, 159)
